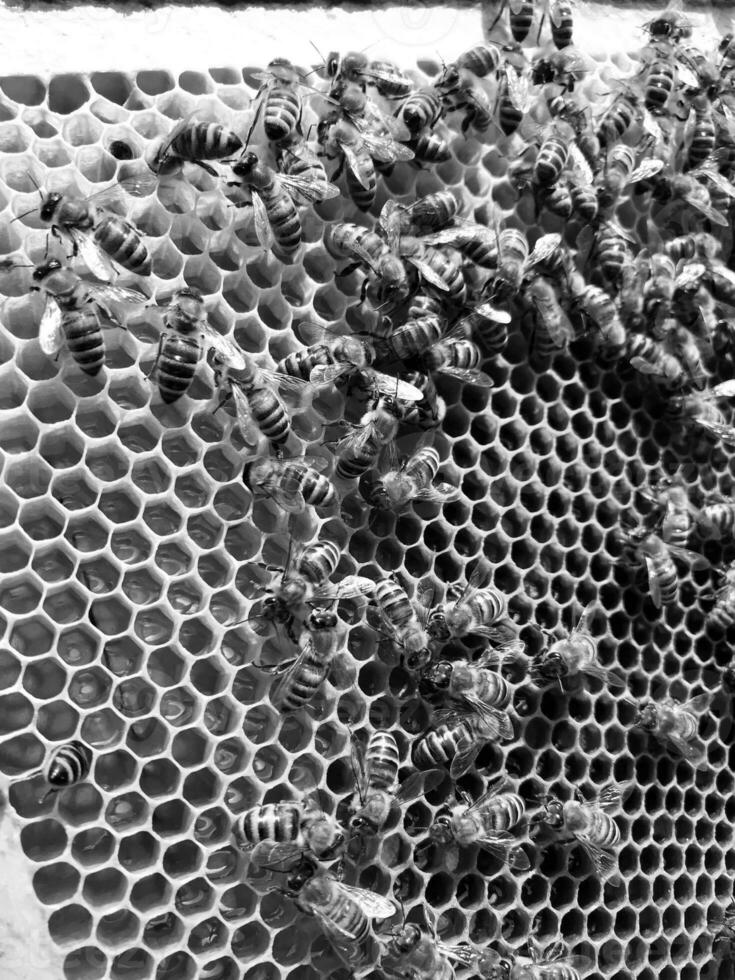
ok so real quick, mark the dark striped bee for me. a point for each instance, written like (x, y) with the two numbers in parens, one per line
(702, 137)
(376, 774)
(678, 723)
(298, 680)
(520, 15)
(347, 240)
(589, 823)
(279, 99)
(716, 519)
(469, 609)
(291, 483)
(456, 739)
(459, 92)
(439, 269)
(653, 357)
(404, 622)
(186, 333)
(600, 309)
(295, 158)
(620, 170)
(417, 953)
(411, 480)
(663, 578)
(612, 247)
(486, 821)
(478, 243)
(472, 684)
(457, 358)
(343, 912)
(421, 111)
(565, 68)
(513, 99)
(75, 312)
(304, 824)
(429, 412)
(65, 766)
(305, 581)
(196, 142)
(620, 115)
(555, 963)
(575, 655)
(99, 236)
(355, 67)
(670, 25)
(277, 221)
(255, 393)
(429, 148)
(359, 450)
(429, 213)
(553, 328)
(561, 21)
(513, 250)
(722, 927)
(722, 613)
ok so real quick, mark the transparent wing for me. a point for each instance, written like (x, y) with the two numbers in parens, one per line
(608, 677)
(690, 557)
(293, 669)
(502, 846)
(326, 374)
(653, 582)
(579, 163)
(519, 89)
(467, 752)
(297, 390)
(357, 759)
(50, 330)
(468, 375)
(226, 347)
(645, 170)
(311, 188)
(428, 273)
(611, 797)
(92, 255)
(178, 129)
(374, 905)
(543, 250)
(706, 209)
(402, 390)
(115, 294)
(263, 229)
(361, 169)
(604, 862)
(384, 148)
(693, 751)
(244, 415)
(494, 719)
(418, 784)
(389, 222)
(351, 587)
(698, 705)
(289, 496)
(440, 493)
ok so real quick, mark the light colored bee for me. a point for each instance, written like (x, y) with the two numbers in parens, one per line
(554, 329)
(75, 312)
(555, 963)
(573, 656)
(674, 512)
(279, 98)
(358, 451)
(721, 925)
(344, 912)
(513, 251)
(196, 141)
(376, 774)
(291, 483)
(457, 738)
(487, 822)
(678, 723)
(470, 609)
(186, 334)
(723, 612)
(274, 196)
(473, 686)
(457, 358)
(304, 824)
(298, 680)
(305, 581)
(589, 823)
(404, 622)
(663, 578)
(716, 519)
(699, 408)
(417, 953)
(400, 484)
(65, 766)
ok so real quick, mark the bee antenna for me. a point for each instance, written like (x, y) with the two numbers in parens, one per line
(24, 215)
(324, 60)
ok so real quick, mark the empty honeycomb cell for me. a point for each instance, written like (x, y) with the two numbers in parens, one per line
(118, 928)
(66, 94)
(132, 964)
(56, 883)
(159, 778)
(85, 963)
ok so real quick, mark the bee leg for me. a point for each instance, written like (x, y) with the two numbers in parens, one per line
(206, 166)
(497, 17)
(540, 26)
(348, 269)
(158, 357)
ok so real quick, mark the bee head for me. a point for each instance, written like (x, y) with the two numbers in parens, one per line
(377, 496)
(304, 871)
(438, 675)
(245, 165)
(352, 98)
(441, 829)
(647, 717)
(407, 939)
(354, 63)
(320, 619)
(417, 659)
(554, 812)
(42, 271)
(361, 826)
(49, 204)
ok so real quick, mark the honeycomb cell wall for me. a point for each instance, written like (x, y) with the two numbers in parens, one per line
(127, 549)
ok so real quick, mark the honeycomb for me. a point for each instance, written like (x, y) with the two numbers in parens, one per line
(128, 579)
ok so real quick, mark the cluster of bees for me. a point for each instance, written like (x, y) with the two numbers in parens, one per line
(440, 294)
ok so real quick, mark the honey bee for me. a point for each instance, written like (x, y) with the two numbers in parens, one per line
(65, 766)
(470, 609)
(677, 722)
(674, 511)
(670, 25)
(418, 953)
(404, 622)
(421, 111)
(376, 772)
(346, 240)
(599, 307)
(716, 519)
(457, 358)
(75, 312)
(279, 99)
(412, 479)
(298, 680)
(358, 451)
(429, 213)
(305, 581)
(197, 142)
(618, 117)
(456, 740)
(292, 482)
(722, 613)
(186, 333)
(589, 823)
(472, 685)
(429, 412)
(304, 824)
(564, 68)
(98, 236)
(486, 821)
(459, 92)
(722, 926)
(554, 329)
(513, 251)
(277, 221)
(355, 67)
(572, 656)
(513, 99)
(520, 14)
(663, 578)
(620, 171)
(555, 963)
(344, 913)
(700, 409)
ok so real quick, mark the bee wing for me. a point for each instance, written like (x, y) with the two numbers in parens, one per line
(50, 330)
(226, 347)
(494, 719)
(418, 784)
(494, 313)
(707, 210)
(263, 230)
(604, 862)
(693, 751)
(351, 587)
(440, 493)
(724, 432)
(359, 168)
(608, 677)
(244, 415)
(428, 273)
(384, 148)
(499, 785)
(579, 163)
(92, 255)
(653, 582)
(107, 292)
(293, 668)
(178, 129)
(543, 250)
(519, 88)
(501, 845)
(357, 760)
(690, 557)
(374, 905)
(469, 376)
(271, 853)
(643, 366)
(698, 705)
(296, 389)
(467, 752)
(425, 595)
(402, 390)
(311, 188)
(463, 953)
(326, 374)
(288, 495)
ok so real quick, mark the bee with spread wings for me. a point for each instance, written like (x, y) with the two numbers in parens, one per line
(678, 723)
(555, 963)
(196, 141)
(573, 656)
(293, 483)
